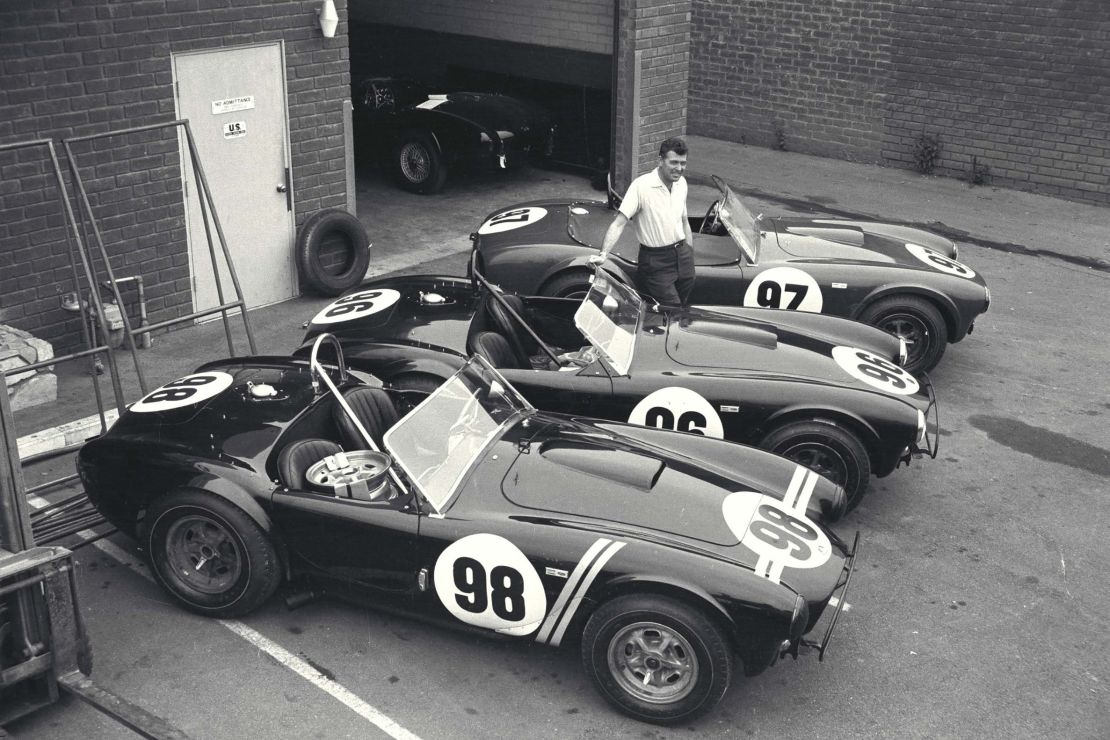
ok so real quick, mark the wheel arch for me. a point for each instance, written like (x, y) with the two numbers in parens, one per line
(579, 263)
(947, 307)
(826, 414)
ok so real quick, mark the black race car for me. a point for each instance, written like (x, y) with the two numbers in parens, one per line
(823, 391)
(902, 279)
(668, 557)
(419, 134)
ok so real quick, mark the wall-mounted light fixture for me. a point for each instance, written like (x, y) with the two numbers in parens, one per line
(329, 18)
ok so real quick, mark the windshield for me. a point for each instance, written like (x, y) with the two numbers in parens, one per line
(437, 442)
(610, 318)
(739, 221)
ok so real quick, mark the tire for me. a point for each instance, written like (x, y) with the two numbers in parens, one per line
(574, 284)
(828, 448)
(417, 164)
(915, 319)
(617, 662)
(239, 565)
(333, 252)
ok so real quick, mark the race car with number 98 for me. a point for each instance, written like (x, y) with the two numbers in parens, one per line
(904, 280)
(674, 561)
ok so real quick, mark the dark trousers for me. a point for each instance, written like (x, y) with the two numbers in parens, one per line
(667, 273)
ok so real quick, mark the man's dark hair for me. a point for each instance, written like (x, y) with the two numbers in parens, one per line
(673, 144)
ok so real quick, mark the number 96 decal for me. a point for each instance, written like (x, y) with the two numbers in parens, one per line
(486, 581)
(187, 391)
(357, 305)
(781, 537)
(875, 371)
(938, 261)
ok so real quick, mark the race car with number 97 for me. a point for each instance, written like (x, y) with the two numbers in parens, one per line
(904, 280)
(675, 562)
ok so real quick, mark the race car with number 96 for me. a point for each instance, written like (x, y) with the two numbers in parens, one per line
(902, 279)
(674, 561)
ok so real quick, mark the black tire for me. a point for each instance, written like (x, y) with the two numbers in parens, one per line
(701, 658)
(417, 164)
(573, 284)
(916, 320)
(333, 252)
(828, 448)
(239, 567)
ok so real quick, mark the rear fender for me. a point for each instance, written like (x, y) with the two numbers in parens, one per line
(581, 263)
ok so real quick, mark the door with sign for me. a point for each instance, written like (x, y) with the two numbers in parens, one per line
(235, 102)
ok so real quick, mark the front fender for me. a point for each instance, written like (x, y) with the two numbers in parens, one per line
(948, 309)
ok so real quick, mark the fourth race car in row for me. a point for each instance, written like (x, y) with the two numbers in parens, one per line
(823, 391)
(901, 279)
(673, 561)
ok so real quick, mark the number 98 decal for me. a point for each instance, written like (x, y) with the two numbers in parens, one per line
(486, 581)
(784, 287)
(781, 537)
(187, 391)
(938, 261)
(514, 219)
(357, 305)
(875, 371)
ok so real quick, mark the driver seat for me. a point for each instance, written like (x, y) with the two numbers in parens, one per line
(375, 411)
(510, 328)
(496, 350)
(294, 461)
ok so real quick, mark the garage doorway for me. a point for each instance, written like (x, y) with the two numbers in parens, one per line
(235, 102)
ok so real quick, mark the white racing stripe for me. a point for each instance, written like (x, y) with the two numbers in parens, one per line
(294, 663)
(568, 589)
(599, 563)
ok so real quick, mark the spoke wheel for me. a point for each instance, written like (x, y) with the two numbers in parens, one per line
(415, 161)
(418, 165)
(653, 662)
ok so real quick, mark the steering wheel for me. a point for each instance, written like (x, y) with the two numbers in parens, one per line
(712, 219)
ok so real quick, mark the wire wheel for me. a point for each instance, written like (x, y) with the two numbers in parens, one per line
(653, 662)
(203, 555)
(416, 162)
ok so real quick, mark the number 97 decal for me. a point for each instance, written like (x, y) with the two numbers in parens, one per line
(486, 581)
(784, 287)
(875, 371)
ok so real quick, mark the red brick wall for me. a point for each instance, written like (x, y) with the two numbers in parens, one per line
(79, 68)
(660, 30)
(1022, 87)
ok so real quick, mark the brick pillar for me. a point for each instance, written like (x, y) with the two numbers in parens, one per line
(653, 65)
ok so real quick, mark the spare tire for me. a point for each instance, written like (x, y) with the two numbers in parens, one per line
(333, 252)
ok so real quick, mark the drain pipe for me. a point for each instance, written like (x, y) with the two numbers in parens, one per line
(145, 340)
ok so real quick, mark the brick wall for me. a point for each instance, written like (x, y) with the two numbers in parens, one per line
(660, 31)
(72, 68)
(582, 25)
(1023, 88)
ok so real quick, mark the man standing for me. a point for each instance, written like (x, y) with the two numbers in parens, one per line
(656, 202)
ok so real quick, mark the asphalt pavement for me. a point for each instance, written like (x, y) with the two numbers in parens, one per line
(980, 610)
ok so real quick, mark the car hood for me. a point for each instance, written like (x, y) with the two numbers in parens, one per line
(863, 241)
(613, 477)
(492, 111)
(425, 310)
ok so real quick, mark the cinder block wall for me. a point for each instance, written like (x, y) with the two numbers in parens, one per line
(583, 25)
(76, 69)
(1021, 87)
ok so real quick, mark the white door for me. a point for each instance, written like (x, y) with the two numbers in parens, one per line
(235, 102)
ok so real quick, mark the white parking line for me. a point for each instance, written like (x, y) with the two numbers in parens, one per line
(263, 643)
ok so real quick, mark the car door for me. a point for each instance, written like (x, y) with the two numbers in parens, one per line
(364, 544)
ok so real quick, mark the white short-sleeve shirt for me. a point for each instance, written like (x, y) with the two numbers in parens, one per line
(658, 214)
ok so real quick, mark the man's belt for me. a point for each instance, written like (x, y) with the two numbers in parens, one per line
(676, 245)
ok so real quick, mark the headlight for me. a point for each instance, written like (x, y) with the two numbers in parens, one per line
(903, 352)
(921, 443)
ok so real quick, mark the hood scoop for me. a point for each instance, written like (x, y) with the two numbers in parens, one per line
(636, 471)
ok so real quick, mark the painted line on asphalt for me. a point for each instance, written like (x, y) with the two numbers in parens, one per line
(293, 662)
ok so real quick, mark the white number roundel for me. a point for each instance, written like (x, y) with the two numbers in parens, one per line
(875, 371)
(187, 391)
(486, 581)
(938, 261)
(514, 219)
(785, 287)
(678, 409)
(357, 305)
(781, 536)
